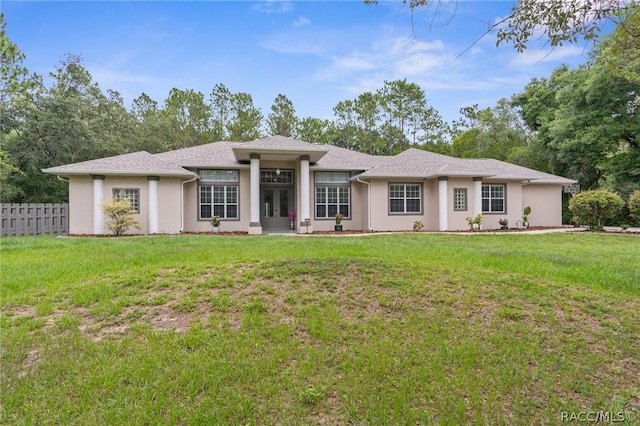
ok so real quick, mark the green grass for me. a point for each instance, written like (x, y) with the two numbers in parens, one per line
(383, 329)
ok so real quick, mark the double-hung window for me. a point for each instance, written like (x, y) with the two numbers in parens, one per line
(130, 194)
(218, 194)
(332, 194)
(493, 198)
(405, 198)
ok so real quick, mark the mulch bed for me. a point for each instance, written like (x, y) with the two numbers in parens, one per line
(356, 232)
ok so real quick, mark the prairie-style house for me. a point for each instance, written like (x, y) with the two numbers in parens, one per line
(279, 184)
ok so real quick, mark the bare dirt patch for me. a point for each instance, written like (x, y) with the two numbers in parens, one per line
(30, 363)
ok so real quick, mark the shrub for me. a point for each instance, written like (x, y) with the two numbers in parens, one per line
(634, 206)
(594, 208)
(120, 215)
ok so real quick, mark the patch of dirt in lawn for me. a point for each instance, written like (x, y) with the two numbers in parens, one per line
(23, 311)
(30, 363)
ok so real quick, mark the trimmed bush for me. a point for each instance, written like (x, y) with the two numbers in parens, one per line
(634, 206)
(594, 208)
(121, 216)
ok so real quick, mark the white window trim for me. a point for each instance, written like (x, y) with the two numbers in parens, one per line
(346, 184)
(405, 212)
(225, 184)
(503, 198)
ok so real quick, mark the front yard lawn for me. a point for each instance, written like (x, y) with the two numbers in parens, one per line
(382, 329)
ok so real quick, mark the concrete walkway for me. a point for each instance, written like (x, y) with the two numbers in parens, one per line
(611, 229)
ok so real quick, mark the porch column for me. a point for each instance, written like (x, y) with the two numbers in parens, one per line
(443, 203)
(98, 199)
(153, 204)
(254, 226)
(305, 225)
(477, 196)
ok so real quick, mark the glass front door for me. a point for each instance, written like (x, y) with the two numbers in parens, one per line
(275, 204)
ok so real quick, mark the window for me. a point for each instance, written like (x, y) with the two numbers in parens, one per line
(218, 175)
(333, 194)
(493, 197)
(218, 194)
(405, 198)
(459, 199)
(131, 194)
(276, 176)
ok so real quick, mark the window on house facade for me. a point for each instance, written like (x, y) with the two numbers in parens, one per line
(278, 176)
(493, 198)
(405, 198)
(459, 199)
(332, 194)
(130, 194)
(218, 194)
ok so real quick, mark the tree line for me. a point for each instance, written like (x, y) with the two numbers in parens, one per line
(581, 123)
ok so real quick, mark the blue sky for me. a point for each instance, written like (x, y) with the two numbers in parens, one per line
(315, 53)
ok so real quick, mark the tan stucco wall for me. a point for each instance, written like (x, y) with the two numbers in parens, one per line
(544, 199)
(168, 205)
(139, 182)
(545, 202)
(358, 219)
(458, 219)
(191, 222)
(513, 211)
(80, 205)
(382, 220)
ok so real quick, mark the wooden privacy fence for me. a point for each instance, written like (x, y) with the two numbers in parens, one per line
(34, 219)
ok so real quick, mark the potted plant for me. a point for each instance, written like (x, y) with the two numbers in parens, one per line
(418, 225)
(504, 223)
(215, 223)
(525, 216)
(292, 219)
(470, 222)
(477, 222)
(338, 226)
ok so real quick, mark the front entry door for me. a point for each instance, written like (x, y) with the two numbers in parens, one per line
(275, 204)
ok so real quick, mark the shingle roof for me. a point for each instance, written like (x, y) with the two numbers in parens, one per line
(412, 163)
(135, 163)
(209, 155)
(338, 157)
(424, 164)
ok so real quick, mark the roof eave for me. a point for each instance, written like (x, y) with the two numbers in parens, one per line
(186, 173)
(234, 165)
(394, 175)
(243, 153)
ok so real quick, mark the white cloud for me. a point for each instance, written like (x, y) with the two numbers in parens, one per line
(301, 22)
(352, 64)
(272, 6)
(386, 59)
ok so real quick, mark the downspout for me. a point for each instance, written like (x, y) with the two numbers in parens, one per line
(62, 179)
(368, 202)
(182, 202)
